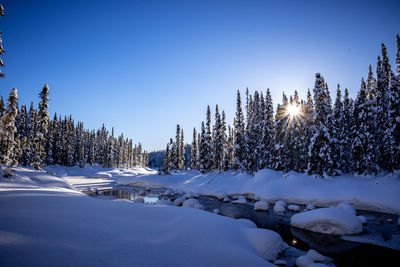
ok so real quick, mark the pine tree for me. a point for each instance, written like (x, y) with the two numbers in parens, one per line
(239, 139)
(281, 121)
(8, 130)
(268, 131)
(167, 162)
(338, 130)
(320, 150)
(218, 144)
(43, 122)
(194, 150)
(181, 158)
(207, 146)
(394, 110)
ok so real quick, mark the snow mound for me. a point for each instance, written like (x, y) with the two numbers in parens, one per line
(280, 262)
(267, 243)
(304, 261)
(168, 192)
(164, 202)
(216, 211)
(246, 222)
(347, 207)
(362, 219)
(334, 221)
(227, 199)
(261, 205)
(188, 195)
(240, 200)
(317, 265)
(310, 207)
(179, 201)
(192, 203)
(279, 206)
(315, 255)
(293, 207)
(139, 200)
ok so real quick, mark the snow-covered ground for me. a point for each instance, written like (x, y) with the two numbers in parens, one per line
(45, 221)
(364, 193)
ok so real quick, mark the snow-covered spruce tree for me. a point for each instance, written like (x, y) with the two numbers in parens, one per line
(167, 162)
(1, 106)
(320, 151)
(1, 44)
(268, 131)
(239, 139)
(338, 130)
(279, 155)
(254, 135)
(229, 158)
(181, 158)
(346, 153)
(209, 153)
(218, 144)
(294, 141)
(43, 122)
(7, 133)
(194, 150)
(203, 153)
(383, 70)
(394, 110)
(359, 138)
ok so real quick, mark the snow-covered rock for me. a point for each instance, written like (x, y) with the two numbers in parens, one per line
(279, 206)
(317, 264)
(188, 195)
(331, 220)
(179, 201)
(304, 261)
(310, 207)
(267, 243)
(139, 200)
(168, 192)
(347, 207)
(216, 211)
(227, 199)
(315, 255)
(362, 219)
(280, 262)
(261, 205)
(247, 223)
(240, 200)
(164, 202)
(192, 203)
(293, 207)
(142, 193)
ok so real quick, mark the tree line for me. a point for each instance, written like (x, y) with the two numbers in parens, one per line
(31, 138)
(313, 136)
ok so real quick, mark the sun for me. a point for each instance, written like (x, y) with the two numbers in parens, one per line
(293, 110)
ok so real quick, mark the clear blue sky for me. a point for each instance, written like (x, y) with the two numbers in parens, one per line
(144, 66)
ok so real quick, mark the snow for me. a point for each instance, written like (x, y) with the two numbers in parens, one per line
(310, 207)
(317, 264)
(315, 255)
(216, 211)
(347, 207)
(291, 187)
(304, 261)
(362, 219)
(261, 205)
(246, 222)
(267, 243)
(192, 203)
(179, 201)
(331, 220)
(280, 262)
(46, 222)
(227, 199)
(293, 207)
(240, 200)
(279, 206)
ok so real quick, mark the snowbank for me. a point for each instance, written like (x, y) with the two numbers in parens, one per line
(331, 220)
(292, 187)
(46, 223)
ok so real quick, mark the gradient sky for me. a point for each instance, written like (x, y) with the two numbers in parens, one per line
(144, 66)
